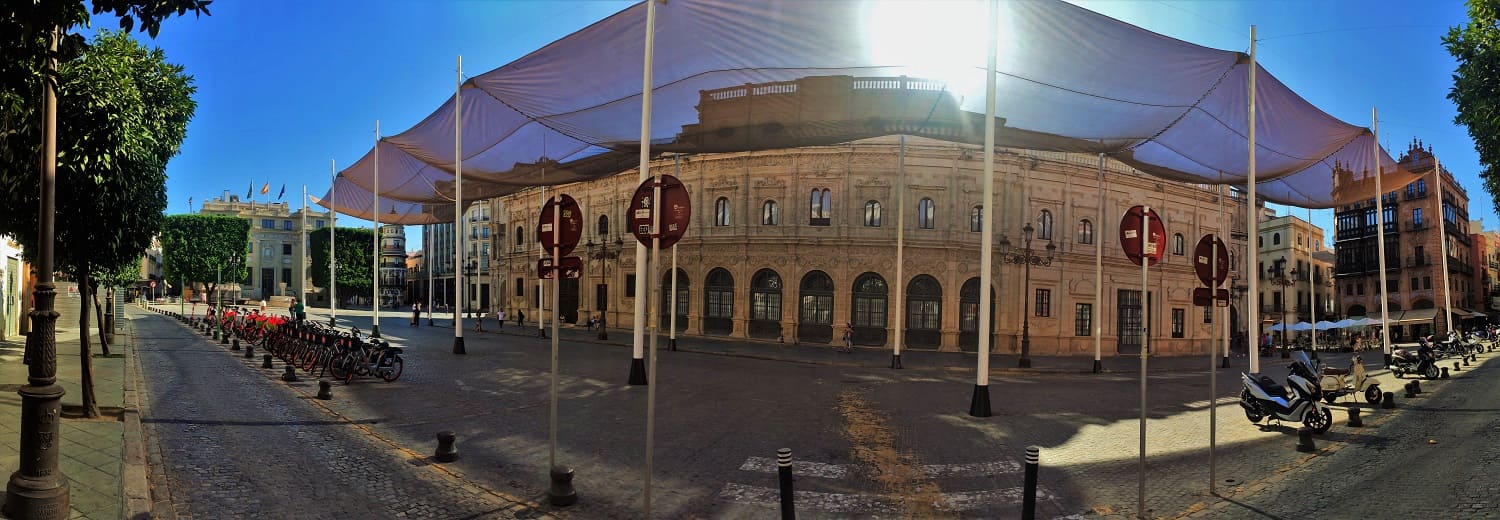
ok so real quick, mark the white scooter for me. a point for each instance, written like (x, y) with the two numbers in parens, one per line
(1299, 401)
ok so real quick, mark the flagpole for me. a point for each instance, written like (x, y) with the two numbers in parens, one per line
(302, 278)
(1252, 226)
(638, 336)
(979, 404)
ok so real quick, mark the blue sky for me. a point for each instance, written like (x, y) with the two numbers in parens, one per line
(283, 87)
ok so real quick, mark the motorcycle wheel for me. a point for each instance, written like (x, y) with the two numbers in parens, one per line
(1318, 421)
(1431, 372)
(1373, 395)
(1330, 398)
(1253, 412)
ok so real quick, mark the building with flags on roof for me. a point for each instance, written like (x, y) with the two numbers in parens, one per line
(276, 243)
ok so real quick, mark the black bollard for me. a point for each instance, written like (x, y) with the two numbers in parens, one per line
(224, 339)
(266, 361)
(1354, 420)
(446, 451)
(249, 351)
(1416, 387)
(1028, 500)
(1098, 366)
(561, 492)
(1455, 367)
(1466, 361)
(1445, 373)
(1410, 393)
(325, 390)
(1389, 401)
(784, 476)
(1305, 440)
(236, 344)
(290, 375)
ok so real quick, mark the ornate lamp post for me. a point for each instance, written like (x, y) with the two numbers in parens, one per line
(604, 252)
(471, 268)
(1026, 256)
(1284, 278)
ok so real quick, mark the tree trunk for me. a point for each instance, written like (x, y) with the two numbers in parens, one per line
(99, 314)
(85, 358)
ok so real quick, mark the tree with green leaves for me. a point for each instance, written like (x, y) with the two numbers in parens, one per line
(356, 251)
(1476, 86)
(122, 114)
(196, 247)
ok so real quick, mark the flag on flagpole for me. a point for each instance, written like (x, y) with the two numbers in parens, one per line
(250, 190)
(190, 204)
(265, 189)
(283, 191)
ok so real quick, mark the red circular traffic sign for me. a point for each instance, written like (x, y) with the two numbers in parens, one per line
(571, 225)
(1131, 236)
(1204, 253)
(675, 211)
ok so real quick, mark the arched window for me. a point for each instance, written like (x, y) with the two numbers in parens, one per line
(924, 312)
(968, 314)
(820, 207)
(926, 213)
(1044, 225)
(1085, 232)
(872, 213)
(682, 300)
(721, 212)
(520, 236)
(1275, 239)
(603, 226)
(815, 316)
(869, 303)
(718, 302)
(1179, 246)
(768, 213)
(765, 304)
(976, 219)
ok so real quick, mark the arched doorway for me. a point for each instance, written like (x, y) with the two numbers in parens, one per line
(968, 315)
(765, 304)
(718, 302)
(666, 302)
(869, 305)
(1357, 310)
(924, 312)
(815, 312)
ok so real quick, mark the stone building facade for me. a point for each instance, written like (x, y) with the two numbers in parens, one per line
(799, 243)
(1293, 266)
(392, 265)
(276, 243)
(1414, 274)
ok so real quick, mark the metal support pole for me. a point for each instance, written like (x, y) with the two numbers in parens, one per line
(427, 264)
(1437, 178)
(1098, 317)
(1252, 225)
(637, 340)
(1385, 313)
(655, 304)
(672, 327)
(375, 261)
(1213, 353)
(1146, 253)
(38, 489)
(458, 210)
(979, 404)
(901, 251)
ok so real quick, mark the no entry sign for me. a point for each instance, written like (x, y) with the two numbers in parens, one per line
(675, 211)
(566, 233)
(1132, 237)
(1204, 253)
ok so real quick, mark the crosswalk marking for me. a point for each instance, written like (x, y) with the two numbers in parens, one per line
(837, 471)
(856, 503)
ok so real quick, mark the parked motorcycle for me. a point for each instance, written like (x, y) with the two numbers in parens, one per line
(1420, 361)
(1298, 401)
(1337, 383)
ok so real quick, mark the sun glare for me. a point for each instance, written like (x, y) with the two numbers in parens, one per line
(938, 40)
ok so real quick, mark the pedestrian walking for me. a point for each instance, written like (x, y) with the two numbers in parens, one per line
(501, 317)
(478, 321)
(416, 313)
(848, 338)
(299, 311)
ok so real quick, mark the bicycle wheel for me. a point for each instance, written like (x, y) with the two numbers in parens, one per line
(393, 372)
(338, 367)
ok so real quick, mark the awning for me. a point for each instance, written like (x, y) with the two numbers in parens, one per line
(1416, 316)
(731, 76)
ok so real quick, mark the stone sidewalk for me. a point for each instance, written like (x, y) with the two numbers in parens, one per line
(91, 450)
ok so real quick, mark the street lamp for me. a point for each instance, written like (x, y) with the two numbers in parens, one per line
(605, 252)
(471, 268)
(1026, 256)
(1284, 278)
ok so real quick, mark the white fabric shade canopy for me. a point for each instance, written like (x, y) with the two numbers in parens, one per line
(733, 76)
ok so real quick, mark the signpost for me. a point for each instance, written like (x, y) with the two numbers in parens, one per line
(658, 216)
(1142, 235)
(560, 225)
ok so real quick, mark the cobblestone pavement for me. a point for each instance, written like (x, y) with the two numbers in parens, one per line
(225, 441)
(1436, 460)
(869, 441)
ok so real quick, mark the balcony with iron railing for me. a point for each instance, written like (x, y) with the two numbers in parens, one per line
(1417, 225)
(1418, 260)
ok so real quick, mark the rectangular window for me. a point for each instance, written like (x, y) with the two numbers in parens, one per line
(318, 224)
(1043, 302)
(521, 287)
(1349, 290)
(1393, 285)
(267, 223)
(1426, 282)
(1414, 284)
(1360, 289)
(629, 286)
(1177, 319)
(1083, 319)
(286, 275)
(286, 249)
(286, 225)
